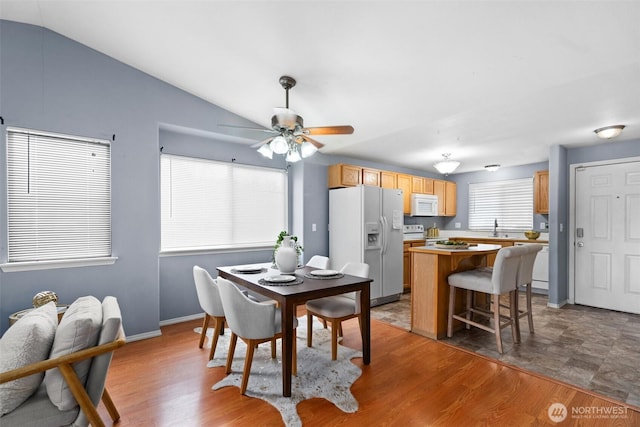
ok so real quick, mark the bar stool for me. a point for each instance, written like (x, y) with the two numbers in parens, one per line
(525, 277)
(499, 280)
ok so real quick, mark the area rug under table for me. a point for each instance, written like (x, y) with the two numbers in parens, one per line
(318, 375)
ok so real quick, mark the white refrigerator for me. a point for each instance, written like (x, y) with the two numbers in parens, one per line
(365, 225)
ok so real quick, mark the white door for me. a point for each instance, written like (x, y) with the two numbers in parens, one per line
(607, 236)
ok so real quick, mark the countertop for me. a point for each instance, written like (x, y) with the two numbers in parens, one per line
(479, 249)
(500, 239)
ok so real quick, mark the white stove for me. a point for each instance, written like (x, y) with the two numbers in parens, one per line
(413, 232)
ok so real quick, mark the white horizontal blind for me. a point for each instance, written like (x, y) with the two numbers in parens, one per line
(510, 202)
(212, 205)
(59, 196)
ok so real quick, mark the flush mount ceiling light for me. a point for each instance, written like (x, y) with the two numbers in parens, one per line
(446, 166)
(492, 168)
(609, 132)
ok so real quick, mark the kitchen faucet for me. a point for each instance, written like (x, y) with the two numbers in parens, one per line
(495, 227)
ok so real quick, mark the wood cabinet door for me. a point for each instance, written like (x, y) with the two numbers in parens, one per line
(451, 191)
(371, 177)
(417, 184)
(439, 190)
(388, 179)
(406, 268)
(427, 185)
(541, 192)
(404, 183)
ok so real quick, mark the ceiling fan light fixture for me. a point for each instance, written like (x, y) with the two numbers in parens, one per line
(307, 149)
(266, 151)
(279, 145)
(609, 132)
(446, 166)
(293, 155)
(492, 168)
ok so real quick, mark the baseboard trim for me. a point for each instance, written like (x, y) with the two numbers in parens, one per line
(181, 319)
(146, 335)
(560, 305)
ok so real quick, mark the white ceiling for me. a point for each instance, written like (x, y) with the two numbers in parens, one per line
(488, 81)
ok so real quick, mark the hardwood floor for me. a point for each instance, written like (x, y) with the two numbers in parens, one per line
(411, 381)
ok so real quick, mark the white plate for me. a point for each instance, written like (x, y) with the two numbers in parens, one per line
(324, 273)
(280, 279)
(248, 268)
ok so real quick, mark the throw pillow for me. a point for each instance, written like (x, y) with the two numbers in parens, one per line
(28, 341)
(78, 329)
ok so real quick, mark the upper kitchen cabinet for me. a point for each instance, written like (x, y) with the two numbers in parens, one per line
(404, 183)
(341, 175)
(388, 179)
(446, 192)
(541, 192)
(371, 177)
(421, 185)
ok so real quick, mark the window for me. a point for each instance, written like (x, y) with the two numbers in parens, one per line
(58, 197)
(510, 202)
(207, 204)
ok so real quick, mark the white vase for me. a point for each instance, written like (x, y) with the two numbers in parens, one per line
(286, 256)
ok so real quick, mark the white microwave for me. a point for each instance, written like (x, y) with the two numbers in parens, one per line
(424, 205)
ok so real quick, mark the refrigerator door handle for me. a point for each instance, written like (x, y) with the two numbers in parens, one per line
(385, 234)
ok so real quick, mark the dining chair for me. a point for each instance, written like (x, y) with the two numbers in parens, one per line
(525, 278)
(319, 261)
(254, 323)
(336, 309)
(210, 302)
(496, 281)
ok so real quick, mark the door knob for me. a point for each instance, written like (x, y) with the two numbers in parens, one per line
(580, 244)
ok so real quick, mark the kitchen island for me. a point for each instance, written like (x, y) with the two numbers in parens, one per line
(430, 267)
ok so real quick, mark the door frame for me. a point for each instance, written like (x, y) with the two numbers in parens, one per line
(572, 213)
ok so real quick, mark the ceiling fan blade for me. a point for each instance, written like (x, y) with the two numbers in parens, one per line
(315, 143)
(261, 143)
(247, 128)
(329, 130)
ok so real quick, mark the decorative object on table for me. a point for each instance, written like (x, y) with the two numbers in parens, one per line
(286, 252)
(450, 244)
(532, 235)
(318, 375)
(41, 298)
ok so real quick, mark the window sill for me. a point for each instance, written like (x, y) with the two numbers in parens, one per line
(11, 267)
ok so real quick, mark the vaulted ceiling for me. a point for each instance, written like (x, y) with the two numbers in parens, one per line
(487, 81)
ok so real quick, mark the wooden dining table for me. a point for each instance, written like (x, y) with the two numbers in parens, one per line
(290, 296)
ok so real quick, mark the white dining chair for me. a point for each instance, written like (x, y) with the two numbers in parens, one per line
(336, 309)
(254, 323)
(210, 302)
(525, 278)
(318, 261)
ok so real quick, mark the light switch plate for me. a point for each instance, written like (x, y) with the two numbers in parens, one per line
(457, 225)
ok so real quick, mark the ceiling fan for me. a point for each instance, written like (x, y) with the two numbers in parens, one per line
(290, 136)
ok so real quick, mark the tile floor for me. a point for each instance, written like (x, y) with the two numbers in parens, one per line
(589, 347)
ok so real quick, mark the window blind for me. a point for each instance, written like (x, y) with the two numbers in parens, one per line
(207, 204)
(510, 202)
(59, 196)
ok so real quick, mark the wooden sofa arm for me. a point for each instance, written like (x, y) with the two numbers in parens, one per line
(64, 364)
(70, 358)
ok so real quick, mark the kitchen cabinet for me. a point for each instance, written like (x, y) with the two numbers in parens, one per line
(406, 263)
(446, 192)
(342, 175)
(541, 192)
(371, 177)
(421, 185)
(388, 179)
(404, 183)
(450, 204)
